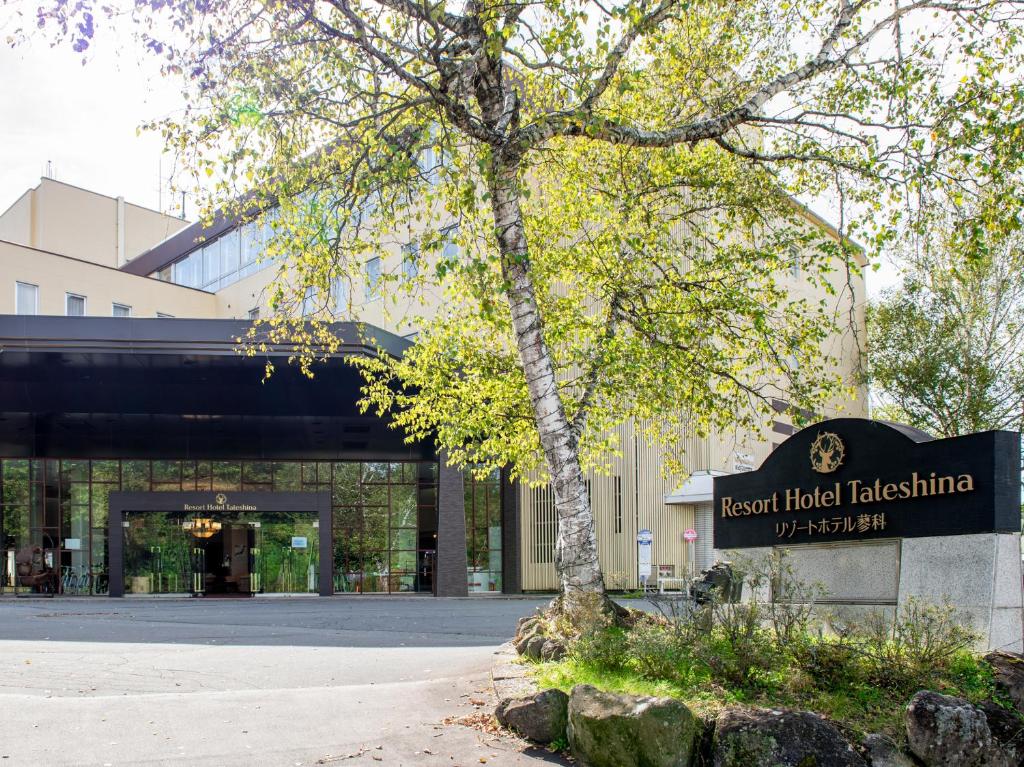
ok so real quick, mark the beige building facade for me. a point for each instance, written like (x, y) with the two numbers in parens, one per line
(66, 251)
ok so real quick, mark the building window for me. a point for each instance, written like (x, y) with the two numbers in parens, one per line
(794, 261)
(450, 249)
(373, 278)
(74, 305)
(26, 298)
(254, 314)
(164, 316)
(410, 262)
(384, 522)
(340, 294)
(309, 299)
(121, 310)
(483, 531)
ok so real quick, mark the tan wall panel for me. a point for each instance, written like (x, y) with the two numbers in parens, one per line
(145, 228)
(65, 219)
(57, 275)
(16, 221)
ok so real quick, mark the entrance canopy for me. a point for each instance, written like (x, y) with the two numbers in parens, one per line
(92, 387)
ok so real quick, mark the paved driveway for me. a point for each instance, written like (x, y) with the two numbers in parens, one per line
(297, 681)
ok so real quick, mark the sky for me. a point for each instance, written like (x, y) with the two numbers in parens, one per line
(83, 119)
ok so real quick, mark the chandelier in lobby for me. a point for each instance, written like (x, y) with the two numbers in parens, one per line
(202, 527)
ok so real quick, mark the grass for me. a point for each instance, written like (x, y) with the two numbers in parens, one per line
(565, 675)
(859, 706)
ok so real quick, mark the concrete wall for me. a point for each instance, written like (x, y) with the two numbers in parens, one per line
(979, 575)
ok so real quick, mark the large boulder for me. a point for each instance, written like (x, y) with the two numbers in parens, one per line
(541, 717)
(747, 737)
(883, 752)
(611, 730)
(1009, 672)
(944, 731)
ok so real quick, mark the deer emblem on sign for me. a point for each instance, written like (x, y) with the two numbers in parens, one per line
(827, 452)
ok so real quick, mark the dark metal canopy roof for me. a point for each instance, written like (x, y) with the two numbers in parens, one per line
(179, 388)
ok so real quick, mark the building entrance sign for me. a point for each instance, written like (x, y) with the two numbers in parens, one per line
(854, 479)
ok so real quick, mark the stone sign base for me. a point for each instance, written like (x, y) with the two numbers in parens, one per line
(980, 575)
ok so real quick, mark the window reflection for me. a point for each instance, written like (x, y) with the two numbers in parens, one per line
(483, 532)
(384, 523)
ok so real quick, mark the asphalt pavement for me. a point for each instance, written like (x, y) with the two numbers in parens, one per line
(266, 681)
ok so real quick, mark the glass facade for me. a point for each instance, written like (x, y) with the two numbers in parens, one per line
(237, 553)
(483, 532)
(384, 526)
(223, 261)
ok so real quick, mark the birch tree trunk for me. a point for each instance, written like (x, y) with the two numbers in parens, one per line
(576, 560)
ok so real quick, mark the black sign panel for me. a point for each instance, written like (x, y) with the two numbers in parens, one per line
(855, 479)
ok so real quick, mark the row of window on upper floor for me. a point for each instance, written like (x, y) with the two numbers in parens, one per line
(26, 301)
(341, 297)
(235, 255)
(222, 261)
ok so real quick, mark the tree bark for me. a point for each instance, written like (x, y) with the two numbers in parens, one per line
(576, 560)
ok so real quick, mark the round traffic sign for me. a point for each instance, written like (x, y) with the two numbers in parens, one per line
(690, 535)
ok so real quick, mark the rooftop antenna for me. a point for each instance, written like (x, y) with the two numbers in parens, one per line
(182, 206)
(48, 171)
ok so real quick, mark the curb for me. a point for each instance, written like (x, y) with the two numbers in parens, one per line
(509, 678)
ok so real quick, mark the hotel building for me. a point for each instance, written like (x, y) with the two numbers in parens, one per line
(141, 454)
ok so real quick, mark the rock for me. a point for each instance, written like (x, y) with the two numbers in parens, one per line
(1009, 671)
(529, 624)
(541, 717)
(746, 737)
(882, 752)
(534, 627)
(552, 649)
(611, 730)
(944, 731)
(534, 646)
(1007, 730)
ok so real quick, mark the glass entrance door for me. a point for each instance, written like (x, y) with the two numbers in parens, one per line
(288, 553)
(221, 555)
(223, 561)
(157, 554)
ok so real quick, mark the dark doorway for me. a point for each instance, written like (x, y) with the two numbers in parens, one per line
(226, 561)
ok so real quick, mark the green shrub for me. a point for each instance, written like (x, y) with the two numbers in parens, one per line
(913, 649)
(830, 662)
(657, 653)
(602, 648)
(741, 660)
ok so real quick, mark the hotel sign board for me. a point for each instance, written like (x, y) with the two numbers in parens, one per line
(856, 479)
